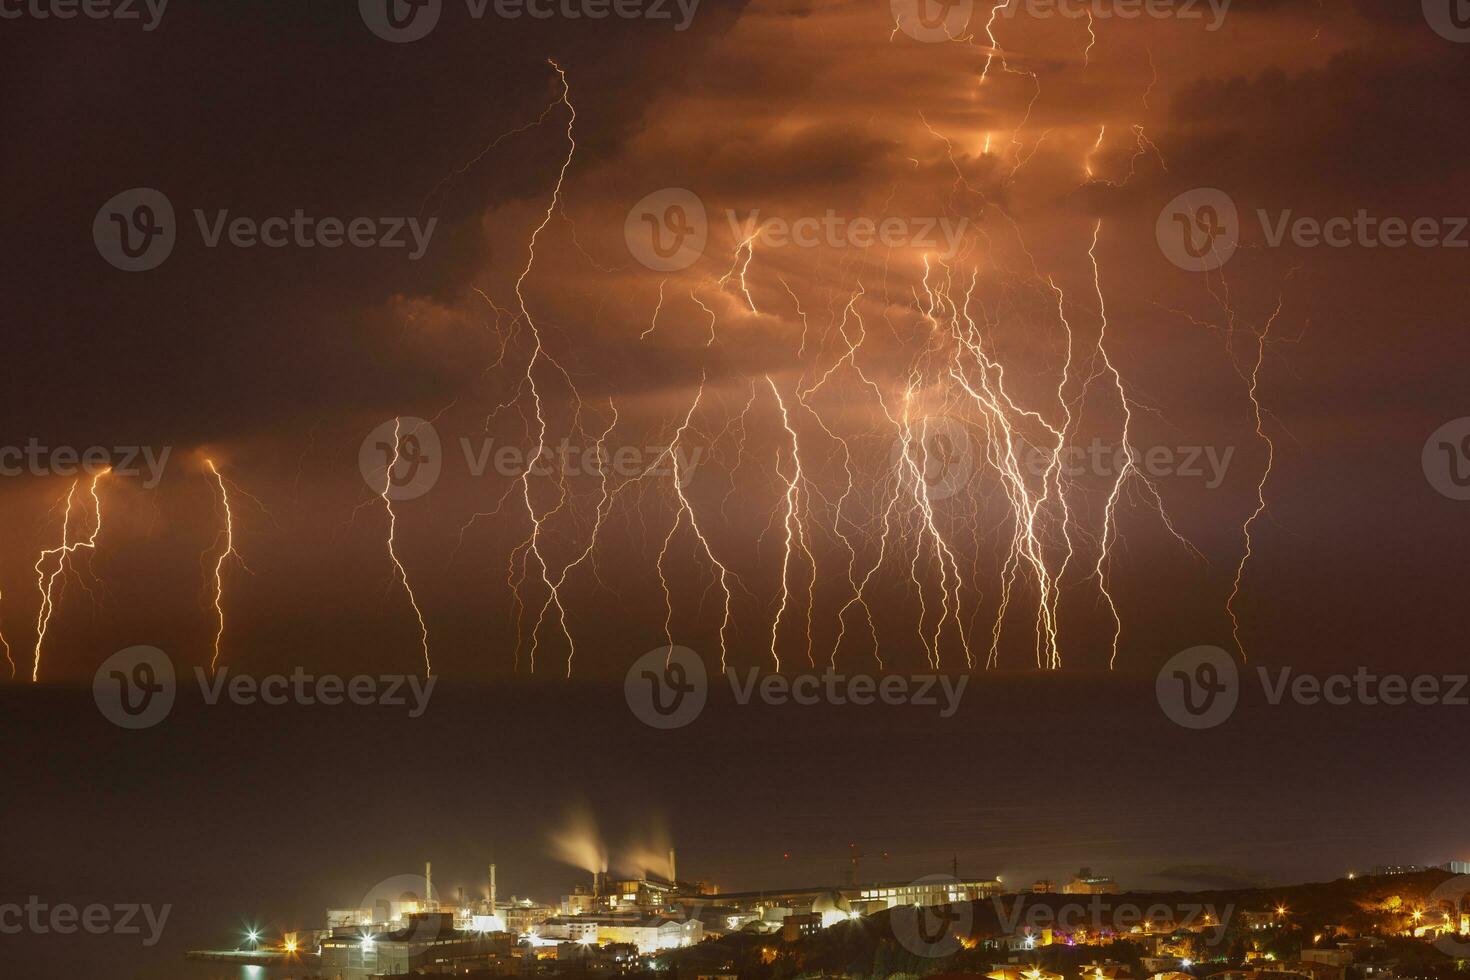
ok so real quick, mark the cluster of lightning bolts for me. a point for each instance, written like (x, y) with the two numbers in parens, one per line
(911, 529)
(954, 394)
(81, 513)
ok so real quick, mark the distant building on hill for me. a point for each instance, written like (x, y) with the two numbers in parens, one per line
(1087, 883)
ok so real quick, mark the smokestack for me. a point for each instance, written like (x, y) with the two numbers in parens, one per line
(428, 884)
(493, 909)
(673, 874)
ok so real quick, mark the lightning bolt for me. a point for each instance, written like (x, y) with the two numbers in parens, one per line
(1245, 556)
(6, 643)
(400, 572)
(738, 269)
(686, 511)
(226, 552)
(796, 535)
(532, 547)
(1110, 511)
(46, 584)
(1087, 163)
(1130, 462)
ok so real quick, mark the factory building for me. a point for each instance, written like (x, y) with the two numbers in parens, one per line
(428, 942)
(833, 904)
(649, 933)
(1087, 883)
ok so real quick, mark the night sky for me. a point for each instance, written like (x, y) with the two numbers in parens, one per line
(799, 378)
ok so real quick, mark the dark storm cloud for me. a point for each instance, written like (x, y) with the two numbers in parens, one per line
(1366, 123)
(261, 110)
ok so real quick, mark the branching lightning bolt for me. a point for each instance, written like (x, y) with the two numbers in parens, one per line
(47, 584)
(227, 551)
(400, 572)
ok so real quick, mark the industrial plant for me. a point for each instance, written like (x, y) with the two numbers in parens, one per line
(609, 924)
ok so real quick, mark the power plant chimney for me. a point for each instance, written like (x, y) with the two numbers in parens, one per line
(428, 886)
(493, 910)
(673, 874)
